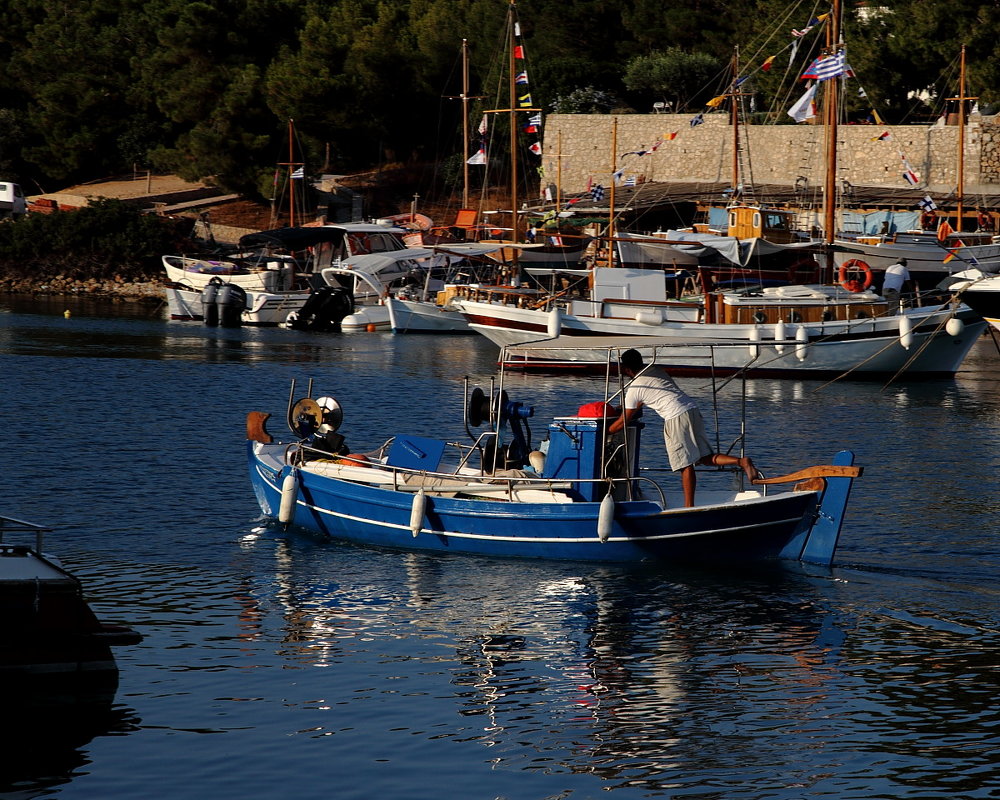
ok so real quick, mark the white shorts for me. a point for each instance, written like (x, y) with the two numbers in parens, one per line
(685, 439)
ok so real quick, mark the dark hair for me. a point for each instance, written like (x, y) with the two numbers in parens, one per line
(902, 261)
(631, 360)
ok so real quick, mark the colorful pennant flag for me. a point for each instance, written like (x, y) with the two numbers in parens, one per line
(909, 175)
(882, 137)
(953, 254)
(478, 158)
(944, 231)
(518, 52)
(597, 193)
(767, 63)
(483, 126)
(698, 120)
(715, 102)
(536, 148)
(521, 77)
(524, 101)
(299, 174)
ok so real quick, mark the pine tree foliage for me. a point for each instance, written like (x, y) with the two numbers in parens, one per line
(90, 88)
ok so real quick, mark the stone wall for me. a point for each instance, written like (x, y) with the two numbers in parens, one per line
(780, 154)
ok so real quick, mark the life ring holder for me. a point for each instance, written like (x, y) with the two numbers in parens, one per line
(855, 266)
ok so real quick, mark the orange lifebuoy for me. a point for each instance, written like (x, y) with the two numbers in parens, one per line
(855, 267)
(985, 222)
(928, 221)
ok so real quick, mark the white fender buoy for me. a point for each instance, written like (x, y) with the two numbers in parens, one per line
(417, 512)
(802, 346)
(906, 332)
(779, 335)
(954, 326)
(289, 494)
(649, 316)
(554, 323)
(606, 517)
(755, 342)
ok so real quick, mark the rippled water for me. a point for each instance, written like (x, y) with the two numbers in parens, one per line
(275, 664)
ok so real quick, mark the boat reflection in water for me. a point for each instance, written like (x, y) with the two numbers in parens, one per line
(599, 672)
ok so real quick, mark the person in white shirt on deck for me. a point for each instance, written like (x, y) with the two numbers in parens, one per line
(896, 276)
(684, 434)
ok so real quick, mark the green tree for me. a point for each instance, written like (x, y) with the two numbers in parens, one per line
(674, 75)
(75, 68)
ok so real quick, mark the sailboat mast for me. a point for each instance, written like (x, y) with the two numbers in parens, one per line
(734, 117)
(512, 105)
(291, 166)
(558, 172)
(611, 192)
(831, 115)
(465, 123)
(960, 191)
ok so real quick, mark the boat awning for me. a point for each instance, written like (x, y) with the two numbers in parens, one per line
(468, 249)
(374, 263)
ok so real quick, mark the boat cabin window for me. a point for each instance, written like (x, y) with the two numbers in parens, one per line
(777, 222)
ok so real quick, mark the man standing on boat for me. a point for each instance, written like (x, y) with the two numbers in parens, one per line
(684, 434)
(896, 276)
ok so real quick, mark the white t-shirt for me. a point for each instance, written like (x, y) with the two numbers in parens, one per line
(895, 276)
(657, 390)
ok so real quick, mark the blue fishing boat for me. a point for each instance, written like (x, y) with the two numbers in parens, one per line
(578, 495)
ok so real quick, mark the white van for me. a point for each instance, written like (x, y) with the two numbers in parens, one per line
(12, 202)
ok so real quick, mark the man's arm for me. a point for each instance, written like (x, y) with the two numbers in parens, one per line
(627, 416)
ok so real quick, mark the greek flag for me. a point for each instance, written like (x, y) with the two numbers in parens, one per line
(830, 67)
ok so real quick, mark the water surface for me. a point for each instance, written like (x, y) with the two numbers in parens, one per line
(278, 664)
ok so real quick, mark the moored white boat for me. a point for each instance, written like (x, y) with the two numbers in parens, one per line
(817, 331)
(978, 289)
(423, 316)
(272, 274)
(263, 308)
